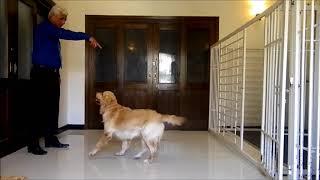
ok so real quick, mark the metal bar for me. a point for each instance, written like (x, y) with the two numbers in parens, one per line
(277, 80)
(243, 86)
(226, 107)
(311, 93)
(218, 77)
(267, 92)
(228, 100)
(231, 91)
(230, 67)
(316, 120)
(232, 59)
(262, 139)
(236, 94)
(303, 87)
(211, 86)
(269, 98)
(279, 40)
(270, 137)
(228, 52)
(226, 84)
(294, 102)
(227, 115)
(224, 94)
(283, 88)
(318, 123)
(271, 102)
(233, 42)
(274, 97)
(231, 75)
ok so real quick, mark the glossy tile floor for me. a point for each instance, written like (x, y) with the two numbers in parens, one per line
(182, 155)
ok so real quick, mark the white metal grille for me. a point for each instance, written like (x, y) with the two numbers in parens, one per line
(291, 88)
(231, 84)
(304, 126)
(228, 73)
(273, 110)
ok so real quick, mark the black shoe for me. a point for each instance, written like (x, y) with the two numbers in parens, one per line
(54, 142)
(36, 150)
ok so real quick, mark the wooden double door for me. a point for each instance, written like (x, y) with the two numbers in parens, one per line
(152, 62)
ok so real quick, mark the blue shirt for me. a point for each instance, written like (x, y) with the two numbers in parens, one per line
(46, 44)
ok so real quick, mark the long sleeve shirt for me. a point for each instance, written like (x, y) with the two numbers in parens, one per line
(46, 44)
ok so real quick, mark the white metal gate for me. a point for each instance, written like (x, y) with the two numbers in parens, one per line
(304, 113)
(227, 97)
(274, 89)
(291, 89)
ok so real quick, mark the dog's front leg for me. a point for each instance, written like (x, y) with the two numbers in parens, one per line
(124, 148)
(104, 139)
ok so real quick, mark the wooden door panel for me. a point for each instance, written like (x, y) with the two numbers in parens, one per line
(194, 106)
(167, 85)
(168, 102)
(104, 67)
(137, 83)
(136, 98)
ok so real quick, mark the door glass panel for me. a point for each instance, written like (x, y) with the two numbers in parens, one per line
(106, 62)
(3, 41)
(135, 56)
(25, 38)
(168, 57)
(198, 55)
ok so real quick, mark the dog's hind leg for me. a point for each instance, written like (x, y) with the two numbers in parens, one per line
(124, 148)
(153, 147)
(104, 139)
(143, 150)
(152, 140)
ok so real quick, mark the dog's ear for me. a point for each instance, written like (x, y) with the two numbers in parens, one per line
(112, 98)
(109, 97)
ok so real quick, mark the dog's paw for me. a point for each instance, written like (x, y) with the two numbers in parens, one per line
(93, 152)
(137, 156)
(119, 153)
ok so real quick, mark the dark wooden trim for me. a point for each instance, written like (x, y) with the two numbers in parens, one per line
(87, 75)
(148, 19)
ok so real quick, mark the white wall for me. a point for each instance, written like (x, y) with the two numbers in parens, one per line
(232, 14)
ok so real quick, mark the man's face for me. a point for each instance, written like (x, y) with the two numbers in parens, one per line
(58, 20)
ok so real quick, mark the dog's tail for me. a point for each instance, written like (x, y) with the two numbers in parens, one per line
(172, 119)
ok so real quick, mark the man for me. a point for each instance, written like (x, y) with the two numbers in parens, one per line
(45, 78)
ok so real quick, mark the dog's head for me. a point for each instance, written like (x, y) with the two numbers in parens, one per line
(104, 99)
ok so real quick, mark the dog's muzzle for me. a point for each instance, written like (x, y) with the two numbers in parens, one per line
(97, 101)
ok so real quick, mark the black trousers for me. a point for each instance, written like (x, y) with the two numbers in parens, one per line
(45, 92)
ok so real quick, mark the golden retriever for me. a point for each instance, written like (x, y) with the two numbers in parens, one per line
(128, 123)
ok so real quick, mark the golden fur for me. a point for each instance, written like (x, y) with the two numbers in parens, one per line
(127, 123)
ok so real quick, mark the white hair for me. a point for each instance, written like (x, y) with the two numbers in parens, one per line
(57, 10)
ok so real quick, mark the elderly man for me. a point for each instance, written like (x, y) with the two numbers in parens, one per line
(45, 78)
